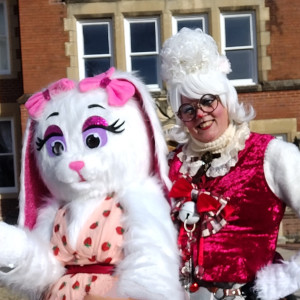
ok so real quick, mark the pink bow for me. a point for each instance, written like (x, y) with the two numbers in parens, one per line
(36, 103)
(119, 91)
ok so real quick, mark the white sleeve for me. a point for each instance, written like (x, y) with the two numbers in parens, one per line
(282, 172)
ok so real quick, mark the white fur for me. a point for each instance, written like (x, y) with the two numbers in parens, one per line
(122, 167)
(27, 262)
(276, 281)
(148, 270)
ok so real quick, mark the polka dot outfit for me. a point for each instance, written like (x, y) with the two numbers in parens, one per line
(100, 241)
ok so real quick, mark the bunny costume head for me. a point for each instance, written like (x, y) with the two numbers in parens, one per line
(88, 139)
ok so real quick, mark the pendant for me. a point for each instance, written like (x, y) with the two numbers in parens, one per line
(187, 270)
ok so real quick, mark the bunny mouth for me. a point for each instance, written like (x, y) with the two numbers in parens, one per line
(82, 179)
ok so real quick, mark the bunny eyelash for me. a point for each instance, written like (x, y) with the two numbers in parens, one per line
(41, 142)
(114, 128)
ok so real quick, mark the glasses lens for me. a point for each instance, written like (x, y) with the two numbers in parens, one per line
(208, 102)
(186, 112)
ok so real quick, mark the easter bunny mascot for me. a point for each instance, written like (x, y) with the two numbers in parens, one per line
(94, 219)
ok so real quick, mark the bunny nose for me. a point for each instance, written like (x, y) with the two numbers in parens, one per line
(76, 165)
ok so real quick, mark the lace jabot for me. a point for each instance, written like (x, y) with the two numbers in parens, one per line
(228, 145)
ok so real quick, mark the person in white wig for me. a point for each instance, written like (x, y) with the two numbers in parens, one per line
(230, 186)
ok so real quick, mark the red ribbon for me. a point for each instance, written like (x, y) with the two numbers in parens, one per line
(206, 203)
(96, 268)
(181, 188)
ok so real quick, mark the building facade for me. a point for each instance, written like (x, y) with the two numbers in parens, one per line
(44, 40)
(11, 88)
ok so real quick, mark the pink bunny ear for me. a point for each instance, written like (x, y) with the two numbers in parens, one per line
(32, 186)
(36, 103)
(119, 91)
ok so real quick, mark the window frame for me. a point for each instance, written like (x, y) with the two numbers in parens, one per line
(253, 46)
(129, 54)
(5, 37)
(177, 18)
(80, 43)
(12, 189)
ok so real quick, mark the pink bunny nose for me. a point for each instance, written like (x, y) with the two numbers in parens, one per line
(76, 165)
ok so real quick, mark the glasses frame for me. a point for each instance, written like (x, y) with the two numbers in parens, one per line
(198, 105)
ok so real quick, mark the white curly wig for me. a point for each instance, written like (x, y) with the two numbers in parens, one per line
(192, 66)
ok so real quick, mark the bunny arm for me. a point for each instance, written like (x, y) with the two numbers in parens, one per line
(282, 172)
(26, 261)
(150, 268)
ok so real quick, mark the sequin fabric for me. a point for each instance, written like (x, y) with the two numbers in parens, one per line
(248, 241)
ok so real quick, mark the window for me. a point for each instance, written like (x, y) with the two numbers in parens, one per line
(142, 49)
(94, 47)
(8, 182)
(192, 22)
(281, 136)
(4, 42)
(239, 45)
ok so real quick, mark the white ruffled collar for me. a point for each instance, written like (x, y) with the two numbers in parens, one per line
(228, 145)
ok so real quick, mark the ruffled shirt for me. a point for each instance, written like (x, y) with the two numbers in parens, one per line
(228, 145)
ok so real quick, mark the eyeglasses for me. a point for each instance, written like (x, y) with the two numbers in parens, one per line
(207, 103)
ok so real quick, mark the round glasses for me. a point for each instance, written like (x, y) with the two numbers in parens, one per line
(188, 111)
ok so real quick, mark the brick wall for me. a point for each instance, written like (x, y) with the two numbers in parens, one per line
(274, 104)
(284, 26)
(43, 43)
(291, 226)
(24, 117)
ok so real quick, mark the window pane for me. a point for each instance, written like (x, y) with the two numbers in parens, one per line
(5, 137)
(241, 64)
(3, 55)
(147, 68)
(94, 66)
(143, 37)
(238, 31)
(7, 178)
(2, 22)
(192, 24)
(96, 39)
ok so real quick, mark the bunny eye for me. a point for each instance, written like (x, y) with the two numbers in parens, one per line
(53, 140)
(95, 137)
(56, 147)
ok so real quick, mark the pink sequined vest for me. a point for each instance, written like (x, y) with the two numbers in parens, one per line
(248, 241)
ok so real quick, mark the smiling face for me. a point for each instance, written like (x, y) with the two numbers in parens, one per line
(207, 127)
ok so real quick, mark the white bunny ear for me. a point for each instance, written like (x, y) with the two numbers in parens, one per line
(32, 187)
(155, 133)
